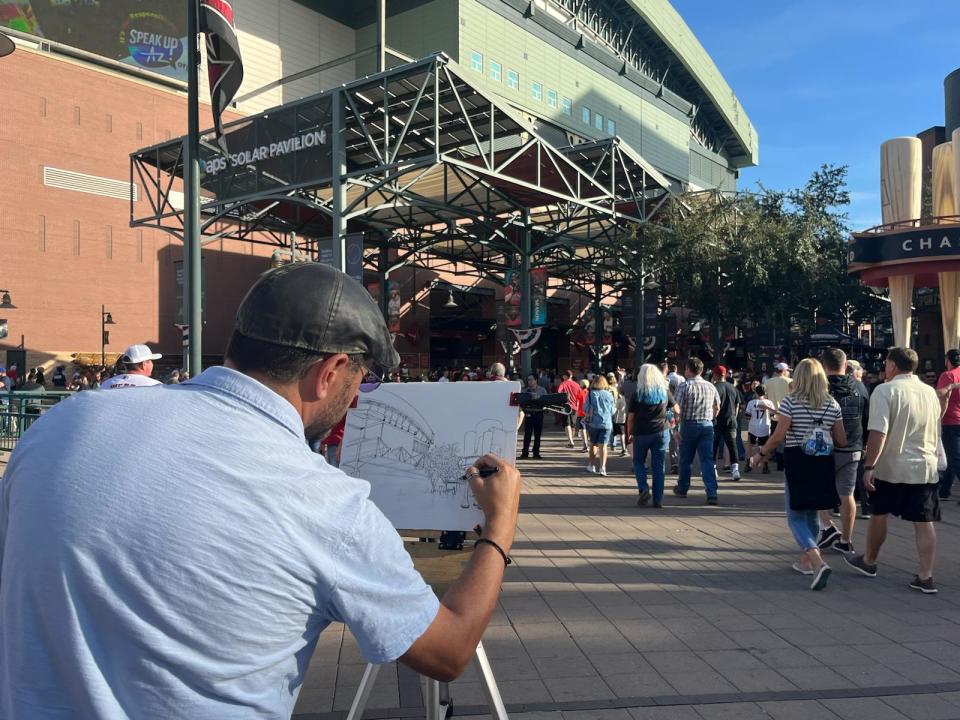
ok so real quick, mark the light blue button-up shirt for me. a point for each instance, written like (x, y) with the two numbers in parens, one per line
(176, 551)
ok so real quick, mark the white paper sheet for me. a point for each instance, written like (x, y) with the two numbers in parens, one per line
(413, 441)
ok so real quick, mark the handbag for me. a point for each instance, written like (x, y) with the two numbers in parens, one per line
(810, 480)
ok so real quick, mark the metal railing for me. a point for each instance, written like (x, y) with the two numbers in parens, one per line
(19, 410)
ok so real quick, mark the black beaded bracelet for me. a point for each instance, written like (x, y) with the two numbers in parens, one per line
(507, 560)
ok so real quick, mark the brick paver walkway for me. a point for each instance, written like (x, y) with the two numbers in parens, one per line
(689, 612)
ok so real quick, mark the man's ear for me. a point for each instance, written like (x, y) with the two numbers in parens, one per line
(325, 377)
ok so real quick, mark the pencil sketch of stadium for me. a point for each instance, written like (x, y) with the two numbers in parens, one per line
(392, 432)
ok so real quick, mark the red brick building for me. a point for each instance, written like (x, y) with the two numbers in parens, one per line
(66, 131)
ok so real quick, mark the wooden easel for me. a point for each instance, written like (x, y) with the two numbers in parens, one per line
(439, 567)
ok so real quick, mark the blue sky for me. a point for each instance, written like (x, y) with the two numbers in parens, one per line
(827, 81)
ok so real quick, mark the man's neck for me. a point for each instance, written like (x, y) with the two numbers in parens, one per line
(900, 373)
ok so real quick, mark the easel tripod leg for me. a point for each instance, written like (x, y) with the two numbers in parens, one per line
(363, 692)
(431, 700)
(489, 684)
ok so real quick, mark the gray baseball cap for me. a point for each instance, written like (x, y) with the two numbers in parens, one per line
(316, 307)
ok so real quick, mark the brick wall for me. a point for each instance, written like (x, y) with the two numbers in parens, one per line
(63, 253)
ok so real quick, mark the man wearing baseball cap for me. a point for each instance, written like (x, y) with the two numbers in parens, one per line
(137, 363)
(777, 389)
(190, 573)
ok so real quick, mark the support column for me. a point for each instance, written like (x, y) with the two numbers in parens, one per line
(192, 274)
(944, 204)
(338, 153)
(526, 243)
(900, 186)
(598, 322)
(381, 35)
(383, 276)
(639, 321)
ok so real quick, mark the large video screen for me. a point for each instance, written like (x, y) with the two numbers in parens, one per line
(147, 34)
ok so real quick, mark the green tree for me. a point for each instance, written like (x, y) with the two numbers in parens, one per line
(766, 257)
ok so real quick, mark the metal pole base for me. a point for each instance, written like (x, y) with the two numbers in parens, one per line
(436, 695)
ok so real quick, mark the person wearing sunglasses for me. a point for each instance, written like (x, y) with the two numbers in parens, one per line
(190, 573)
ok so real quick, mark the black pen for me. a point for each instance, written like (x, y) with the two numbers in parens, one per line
(484, 472)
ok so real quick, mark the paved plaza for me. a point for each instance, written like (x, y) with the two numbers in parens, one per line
(617, 612)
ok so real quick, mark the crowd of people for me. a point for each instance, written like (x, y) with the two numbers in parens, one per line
(892, 446)
(90, 377)
(817, 424)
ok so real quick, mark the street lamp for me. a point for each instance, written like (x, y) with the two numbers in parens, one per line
(105, 319)
(5, 303)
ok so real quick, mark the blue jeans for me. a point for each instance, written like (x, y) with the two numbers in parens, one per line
(657, 444)
(951, 446)
(804, 524)
(696, 438)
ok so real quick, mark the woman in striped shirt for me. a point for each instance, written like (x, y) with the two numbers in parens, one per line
(810, 485)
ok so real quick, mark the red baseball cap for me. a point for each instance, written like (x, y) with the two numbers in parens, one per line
(720, 370)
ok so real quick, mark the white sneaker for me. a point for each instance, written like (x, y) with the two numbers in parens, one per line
(591, 468)
(603, 471)
(735, 472)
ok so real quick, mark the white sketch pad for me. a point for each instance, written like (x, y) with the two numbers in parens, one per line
(413, 441)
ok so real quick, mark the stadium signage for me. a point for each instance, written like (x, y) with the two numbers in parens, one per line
(276, 149)
(911, 245)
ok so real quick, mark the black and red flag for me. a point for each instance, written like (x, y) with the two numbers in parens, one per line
(224, 65)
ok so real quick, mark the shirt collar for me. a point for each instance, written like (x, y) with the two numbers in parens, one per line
(250, 391)
(904, 376)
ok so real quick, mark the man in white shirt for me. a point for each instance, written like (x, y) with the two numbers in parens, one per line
(137, 361)
(901, 465)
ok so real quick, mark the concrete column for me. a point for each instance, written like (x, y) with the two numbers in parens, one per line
(900, 191)
(944, 199)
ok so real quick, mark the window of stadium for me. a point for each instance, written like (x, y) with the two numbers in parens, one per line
(585, 115)
(611, 127)
(536, 91)
(513, 79)
(476, 61)
(566, 104)
(495, 71)
(552, 98)
(598, 121)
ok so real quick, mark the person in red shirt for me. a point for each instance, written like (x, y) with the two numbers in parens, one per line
(571, 388)
(948, 390)
(330, 447)
(582, 413)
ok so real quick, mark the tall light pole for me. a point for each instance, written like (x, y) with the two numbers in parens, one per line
(105, 319)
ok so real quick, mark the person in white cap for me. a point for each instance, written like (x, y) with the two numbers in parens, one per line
(137, 363)
(777, 389)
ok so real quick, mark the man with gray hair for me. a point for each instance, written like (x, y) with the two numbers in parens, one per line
(498, 371)
(901, 465)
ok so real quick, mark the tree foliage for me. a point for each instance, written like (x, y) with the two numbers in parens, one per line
(769, 257)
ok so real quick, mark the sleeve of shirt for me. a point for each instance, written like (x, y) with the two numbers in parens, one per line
(681, 394)
(835, 412)
(786, 407)
(378, 594)
(879, 412)
(942, 381)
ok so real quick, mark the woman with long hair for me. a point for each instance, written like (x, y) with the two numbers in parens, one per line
(598, 410)
(810, 422)
(649, 429)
